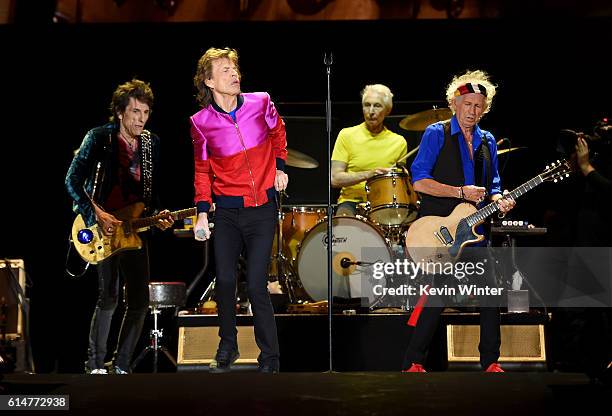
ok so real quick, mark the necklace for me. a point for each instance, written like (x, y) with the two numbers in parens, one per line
(131, 144)
(470, 148)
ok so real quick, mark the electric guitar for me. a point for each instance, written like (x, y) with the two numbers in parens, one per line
(442, 239)
(93, 246)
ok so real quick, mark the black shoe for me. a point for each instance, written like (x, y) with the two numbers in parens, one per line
(268, 369)
(223, 361)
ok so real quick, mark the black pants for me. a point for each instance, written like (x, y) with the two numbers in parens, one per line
(490, 337)
(252, 229)
(490, 332)
(131, 267)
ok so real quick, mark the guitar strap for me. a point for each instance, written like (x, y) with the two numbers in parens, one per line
(147, 167)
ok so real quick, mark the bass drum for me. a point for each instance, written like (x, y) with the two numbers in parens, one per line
(354, 239)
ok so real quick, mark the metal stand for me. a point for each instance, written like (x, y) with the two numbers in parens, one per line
(328, 60)
(208, 293)
(280, 263)
(204, 269)
(155, 345)
(519, 298)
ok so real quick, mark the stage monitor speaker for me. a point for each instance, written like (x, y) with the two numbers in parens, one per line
(11, 319)
(198, 345)
(519, 343)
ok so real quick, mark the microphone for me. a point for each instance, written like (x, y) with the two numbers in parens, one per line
(200, 234)
(503, 139)
(346, 263)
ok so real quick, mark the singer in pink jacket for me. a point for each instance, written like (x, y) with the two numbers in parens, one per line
(240, 149)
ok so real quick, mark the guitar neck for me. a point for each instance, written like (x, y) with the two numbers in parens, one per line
(490, 209)
(142, 224)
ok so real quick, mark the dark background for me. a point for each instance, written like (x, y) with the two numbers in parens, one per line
(56, 83)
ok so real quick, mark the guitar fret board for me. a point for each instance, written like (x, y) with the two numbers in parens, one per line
(177, 215)
(490, 209)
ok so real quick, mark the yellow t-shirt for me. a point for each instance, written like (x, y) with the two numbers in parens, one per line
(360, 150)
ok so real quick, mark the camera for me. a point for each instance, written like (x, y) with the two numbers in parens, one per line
(603, 131)
(599, 142)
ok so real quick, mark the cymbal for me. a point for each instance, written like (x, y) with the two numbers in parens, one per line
(511, 149)
(300, 160)
(420, 121)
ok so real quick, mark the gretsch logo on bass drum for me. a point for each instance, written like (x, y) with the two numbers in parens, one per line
(335, 240)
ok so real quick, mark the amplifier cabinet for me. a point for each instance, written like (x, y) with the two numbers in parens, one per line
(198, 345)
(11, 319)
(519, 343)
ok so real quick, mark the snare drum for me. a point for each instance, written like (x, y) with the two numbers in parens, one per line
(354, 239)
(392, 201)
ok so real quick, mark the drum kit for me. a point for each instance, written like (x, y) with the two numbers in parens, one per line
(299, 252)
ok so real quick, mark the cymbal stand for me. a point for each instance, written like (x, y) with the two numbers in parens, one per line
(283, 267)
(208, 293)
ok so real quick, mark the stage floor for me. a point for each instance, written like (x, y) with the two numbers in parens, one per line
(366, 393)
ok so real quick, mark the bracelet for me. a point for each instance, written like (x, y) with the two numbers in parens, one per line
(461, 194)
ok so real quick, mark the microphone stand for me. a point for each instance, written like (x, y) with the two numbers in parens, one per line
(202, 271)
(328, 60)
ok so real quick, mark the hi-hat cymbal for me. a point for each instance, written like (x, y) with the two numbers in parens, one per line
(512, 149)
(420, 121)
(300, 160)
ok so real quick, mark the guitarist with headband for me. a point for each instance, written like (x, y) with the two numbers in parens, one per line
(457, 162)
(115, 167)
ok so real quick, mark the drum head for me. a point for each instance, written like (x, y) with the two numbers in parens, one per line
(353, 239)
(392, 199)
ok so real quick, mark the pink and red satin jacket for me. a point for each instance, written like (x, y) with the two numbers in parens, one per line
(236, 162)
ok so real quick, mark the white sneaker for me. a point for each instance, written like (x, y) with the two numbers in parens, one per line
(99, 371)
(117, 370)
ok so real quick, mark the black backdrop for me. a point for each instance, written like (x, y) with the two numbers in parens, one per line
(56, 83)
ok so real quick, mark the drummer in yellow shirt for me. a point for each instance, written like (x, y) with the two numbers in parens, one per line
(365, 150)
